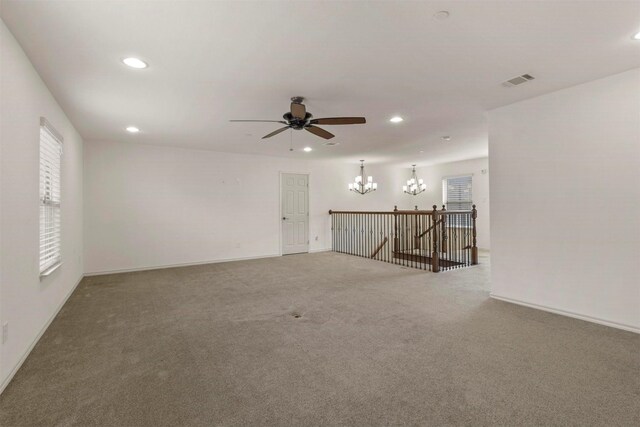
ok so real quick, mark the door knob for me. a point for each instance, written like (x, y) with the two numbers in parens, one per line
(284, 217)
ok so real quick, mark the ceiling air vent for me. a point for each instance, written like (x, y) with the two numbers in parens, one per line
(518, 80)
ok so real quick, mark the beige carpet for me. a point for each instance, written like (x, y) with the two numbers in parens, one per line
(374, 344)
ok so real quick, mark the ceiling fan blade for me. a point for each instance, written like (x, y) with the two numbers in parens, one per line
(298, 110)
(275, 132)
(262, 121)
(319, 132)
(339, 121)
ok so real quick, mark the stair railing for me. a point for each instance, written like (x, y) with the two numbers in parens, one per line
(435, 240)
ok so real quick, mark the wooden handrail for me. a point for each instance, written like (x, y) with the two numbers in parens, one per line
(379, 248)
(400, 212)
(362, 212)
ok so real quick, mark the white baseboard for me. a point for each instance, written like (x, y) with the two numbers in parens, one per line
(569, 314)
(188, 264)
(24, 356)
(313, 251)
(184, 264)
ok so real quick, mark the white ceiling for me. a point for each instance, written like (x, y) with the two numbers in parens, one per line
(215, 61)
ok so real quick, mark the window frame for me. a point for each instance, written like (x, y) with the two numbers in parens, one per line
(49, 197)
(445, 189)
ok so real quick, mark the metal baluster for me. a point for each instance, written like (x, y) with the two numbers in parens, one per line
(339, 232)
(361, 228)
(389, 227)
(403, 230)
(358, 233)
(342, 232)
(347, 234)
(363, 236)
(420, 241)
(355, 234)
(332, 228)
(453, 242)
(367, 236)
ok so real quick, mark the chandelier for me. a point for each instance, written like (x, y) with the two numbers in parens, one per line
(414, 185)
(360, 186)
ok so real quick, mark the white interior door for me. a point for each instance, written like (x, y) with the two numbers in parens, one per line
(295, 213)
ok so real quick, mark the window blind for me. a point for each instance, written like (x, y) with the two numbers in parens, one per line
(50, 192)
(458, 195)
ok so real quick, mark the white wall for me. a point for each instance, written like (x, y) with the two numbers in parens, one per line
(565, 200)
(27, 304)
(148, 206)
(433, 176)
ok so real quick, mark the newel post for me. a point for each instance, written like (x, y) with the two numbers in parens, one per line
(474, 248)
(444, 230)
(435, 255)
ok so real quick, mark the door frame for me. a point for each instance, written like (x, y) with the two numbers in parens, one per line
(280, 174)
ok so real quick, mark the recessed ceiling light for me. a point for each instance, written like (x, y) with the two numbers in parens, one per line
(396, 119)
(446, 138)
(636, 36)
(307, 149)
(135, 63)
(133, 129)
(441, 15)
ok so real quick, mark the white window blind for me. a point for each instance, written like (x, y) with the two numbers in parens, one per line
(50, 224)
(457, 193)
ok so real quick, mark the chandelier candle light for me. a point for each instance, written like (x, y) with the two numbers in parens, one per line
(360, 186)
(414, 185)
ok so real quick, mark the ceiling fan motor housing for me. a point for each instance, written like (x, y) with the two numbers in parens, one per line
(295, 122)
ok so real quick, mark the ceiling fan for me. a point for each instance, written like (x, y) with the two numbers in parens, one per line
(298, 118)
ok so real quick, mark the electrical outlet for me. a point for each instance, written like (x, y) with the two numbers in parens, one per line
(5, 332)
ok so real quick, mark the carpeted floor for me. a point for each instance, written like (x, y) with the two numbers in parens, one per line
(320, 339)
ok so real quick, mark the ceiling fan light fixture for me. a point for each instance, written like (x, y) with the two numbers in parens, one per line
(396, 119)
(135, 63)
